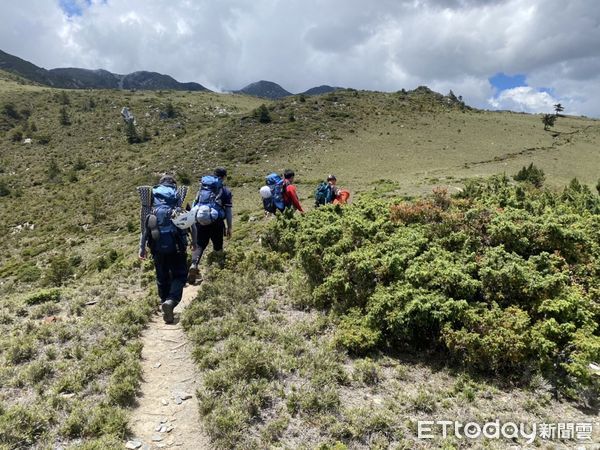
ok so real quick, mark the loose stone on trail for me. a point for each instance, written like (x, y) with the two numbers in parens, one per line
(182, 395)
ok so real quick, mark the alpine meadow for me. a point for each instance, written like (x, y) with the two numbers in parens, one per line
(462, 282)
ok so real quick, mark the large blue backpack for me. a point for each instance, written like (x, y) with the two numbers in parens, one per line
(275, 201)
(323, 194)
(165, 237)
(209, 200)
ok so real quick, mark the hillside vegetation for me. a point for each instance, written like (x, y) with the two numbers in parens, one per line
(302, 351)
(351, 323)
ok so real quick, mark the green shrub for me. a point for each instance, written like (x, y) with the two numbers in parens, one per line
(131, 133)
(170, 111)
(354, 334)
(79, 164)
(21, 426)
(10, 110)
(63, 98)
(424, 401)
(124, 382)
(501, 278)
(20, 349)
(17, 135)
(496, 339)
(531, 174)
(4, 189)
(263, 115)
(43, 139)
(53, 171)
(366, 372)
(59, 270)
(65, 120)
(45, 295)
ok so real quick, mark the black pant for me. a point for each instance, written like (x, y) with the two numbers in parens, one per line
(214, 233)
(171, 275)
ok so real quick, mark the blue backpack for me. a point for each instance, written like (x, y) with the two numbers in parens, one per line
(165, 237)
(275, 202)
(323, 194)
(209, 200)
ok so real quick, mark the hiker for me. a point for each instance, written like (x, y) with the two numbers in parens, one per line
(290, 195)
(214, 217)
(326, 191)
(340, 196)
(329, 192)
(167, 244)
(272, 194)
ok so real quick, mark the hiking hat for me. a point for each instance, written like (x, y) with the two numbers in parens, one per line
(220, 172)
(167, 179)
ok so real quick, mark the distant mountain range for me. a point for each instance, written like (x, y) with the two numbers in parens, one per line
(74, 78)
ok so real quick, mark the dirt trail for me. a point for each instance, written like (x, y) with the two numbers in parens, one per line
(167, 412)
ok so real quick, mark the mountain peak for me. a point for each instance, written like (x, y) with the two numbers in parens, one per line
(323, 89)
(264, 88)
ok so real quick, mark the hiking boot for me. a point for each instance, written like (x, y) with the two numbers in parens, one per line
(167, 309)
(193, 274)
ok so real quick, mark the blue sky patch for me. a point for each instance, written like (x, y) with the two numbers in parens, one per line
(547, 90)
(501, 81)
(73, 7)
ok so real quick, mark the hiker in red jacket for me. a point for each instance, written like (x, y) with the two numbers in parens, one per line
(290, 195)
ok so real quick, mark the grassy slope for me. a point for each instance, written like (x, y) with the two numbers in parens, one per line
(88, 211)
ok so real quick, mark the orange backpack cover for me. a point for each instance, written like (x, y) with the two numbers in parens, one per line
(342, 198)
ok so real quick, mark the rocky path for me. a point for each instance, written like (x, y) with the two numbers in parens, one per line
(167, 412)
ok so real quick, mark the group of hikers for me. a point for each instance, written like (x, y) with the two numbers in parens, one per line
(167, 225)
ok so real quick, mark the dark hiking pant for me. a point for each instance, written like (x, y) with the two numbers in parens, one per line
(213, 233)
(171, 275)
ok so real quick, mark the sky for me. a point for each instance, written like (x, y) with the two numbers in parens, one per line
(521, 55)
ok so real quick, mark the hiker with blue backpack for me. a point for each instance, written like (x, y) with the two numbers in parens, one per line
(328, 192)
(280, 193)
(164, 230)
(214, 217)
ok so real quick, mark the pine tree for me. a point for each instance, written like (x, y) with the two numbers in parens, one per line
(548, 120)
(558, 108)
(65, 120)
(131, 133)
(263, 114)
(170, 111)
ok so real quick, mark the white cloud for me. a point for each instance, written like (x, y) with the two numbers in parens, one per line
(524, 99)
(383, 45)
